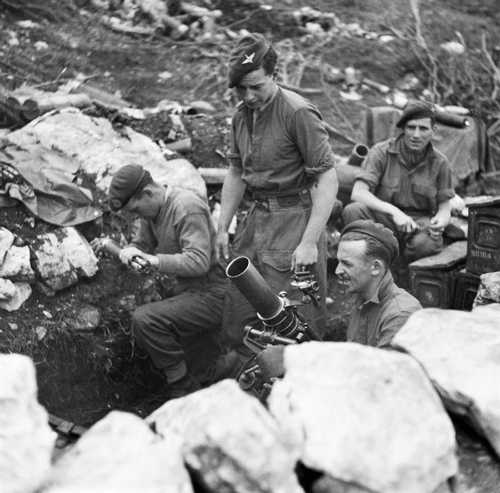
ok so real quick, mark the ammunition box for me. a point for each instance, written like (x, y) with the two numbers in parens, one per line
(466, 285)
(432, 279)
(483, 248)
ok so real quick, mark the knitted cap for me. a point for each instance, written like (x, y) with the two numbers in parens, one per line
(247, 56)
(377, 231)
(128, 181)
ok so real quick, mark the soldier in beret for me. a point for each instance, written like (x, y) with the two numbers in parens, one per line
(176, 236)
(365, 254)
(280, 157)
(406, 185)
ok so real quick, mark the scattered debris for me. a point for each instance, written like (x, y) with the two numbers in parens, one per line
(145, 17)
(86, 319)
(453, 48)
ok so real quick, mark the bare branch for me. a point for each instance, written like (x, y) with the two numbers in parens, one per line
(415, 10)
(495, 71)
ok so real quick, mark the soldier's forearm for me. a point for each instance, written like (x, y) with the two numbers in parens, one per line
(232, 193)
(323, 195)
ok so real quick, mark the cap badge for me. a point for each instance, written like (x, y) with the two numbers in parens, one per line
(248, 58)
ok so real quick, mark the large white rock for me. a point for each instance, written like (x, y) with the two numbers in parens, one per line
(460, 351)
(6, 240)
(120, 454)
(492, 307)
(26, 440)
(230, 440)
(16, 264)
(62, 256)
(93, 145)
(78, 252)
(13, 294)
(365, 416)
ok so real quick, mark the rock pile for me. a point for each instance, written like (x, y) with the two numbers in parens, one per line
(59, 259)
(344, 418)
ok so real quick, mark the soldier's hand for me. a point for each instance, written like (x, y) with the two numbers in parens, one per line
(97, 245)
(403, 222)
(128, 253)
(436, 226)
(271, 361)
(222, 247)
(304, 255)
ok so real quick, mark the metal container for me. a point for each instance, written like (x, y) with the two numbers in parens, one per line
(432, 279)
(466, 285)
(483, 249)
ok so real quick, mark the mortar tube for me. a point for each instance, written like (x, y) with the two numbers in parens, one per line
(254, 287)
(358, 154)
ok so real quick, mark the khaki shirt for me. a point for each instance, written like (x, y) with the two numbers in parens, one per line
(283, 147)
(376, 321)
(415, 190)
(182, 235)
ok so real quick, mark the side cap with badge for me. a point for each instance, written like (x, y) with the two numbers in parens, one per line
(247, 56)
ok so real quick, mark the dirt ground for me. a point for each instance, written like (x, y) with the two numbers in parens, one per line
(84, 375)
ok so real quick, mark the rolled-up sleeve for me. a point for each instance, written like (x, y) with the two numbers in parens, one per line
(312, 140)
(233, 156)
(444, 183)
(193, 232)
(372, 168)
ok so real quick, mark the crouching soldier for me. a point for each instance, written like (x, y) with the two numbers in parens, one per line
(175, 235)
(365, 253)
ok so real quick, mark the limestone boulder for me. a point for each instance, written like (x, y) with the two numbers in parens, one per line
(492, 307)
(460, 351)
(488, 290)
(366, 417)
(94, 146)
(6, 241)
(62, 256)
(78, 252)
(26, 440)
(120, 453)
(230, 441)
(16, 264)
(13, 294)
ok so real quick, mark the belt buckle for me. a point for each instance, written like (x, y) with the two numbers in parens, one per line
(288, 200)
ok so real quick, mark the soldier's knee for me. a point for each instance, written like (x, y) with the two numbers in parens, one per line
(423, 245)
(140, 319)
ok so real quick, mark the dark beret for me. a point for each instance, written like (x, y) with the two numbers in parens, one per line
(377, 231)
(126, 182)
(416, 110)
(246, 56)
